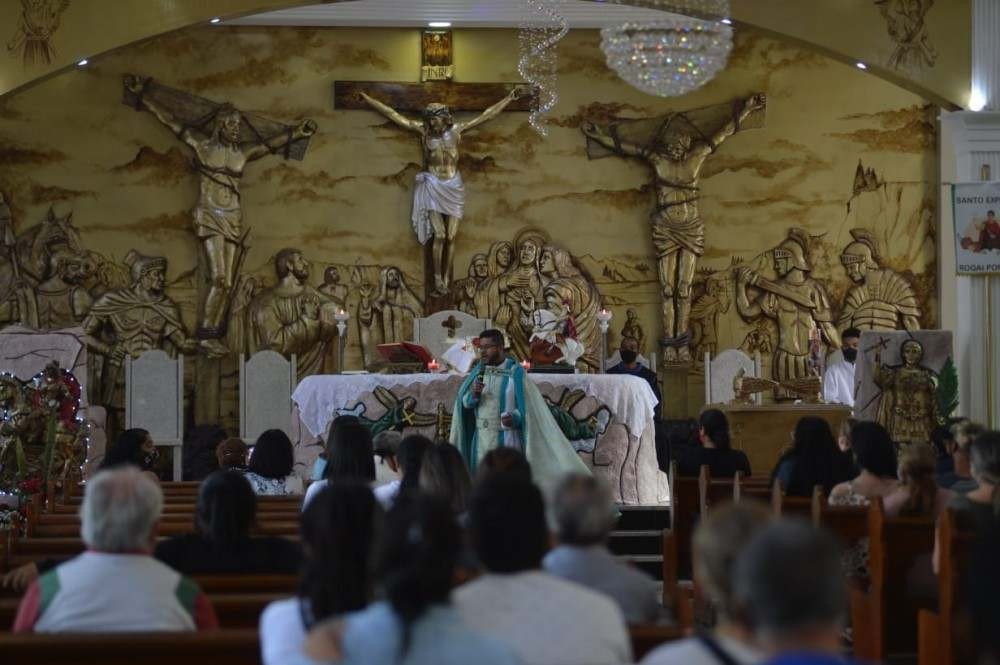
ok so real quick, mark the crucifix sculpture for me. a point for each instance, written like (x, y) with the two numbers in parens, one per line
(439, 194)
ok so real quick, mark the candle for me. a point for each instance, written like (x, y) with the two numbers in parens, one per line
(433, 365)
(341, 315)
(526, 364)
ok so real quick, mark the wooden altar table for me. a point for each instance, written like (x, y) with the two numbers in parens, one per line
(764, 432)
(623, 452)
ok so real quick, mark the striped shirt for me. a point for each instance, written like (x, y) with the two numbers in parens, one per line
(102, 592)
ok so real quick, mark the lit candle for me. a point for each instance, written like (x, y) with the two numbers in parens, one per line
(433, 365)
(526, 364)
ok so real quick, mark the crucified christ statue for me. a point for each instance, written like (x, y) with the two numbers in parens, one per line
(439, 194)
(220, 155)
(678, 230)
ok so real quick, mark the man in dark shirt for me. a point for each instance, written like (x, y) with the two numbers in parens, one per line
(629, 351)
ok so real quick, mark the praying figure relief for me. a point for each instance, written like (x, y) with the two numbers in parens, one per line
(439, 193)
(224, 140)
(676, 149)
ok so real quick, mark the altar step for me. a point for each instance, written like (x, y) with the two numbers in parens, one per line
(638, 537)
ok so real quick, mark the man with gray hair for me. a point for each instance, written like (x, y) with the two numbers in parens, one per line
(116, 585)
(718, 540)
(582, 516)
(791, 588)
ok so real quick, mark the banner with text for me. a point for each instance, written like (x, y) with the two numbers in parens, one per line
(977, 227)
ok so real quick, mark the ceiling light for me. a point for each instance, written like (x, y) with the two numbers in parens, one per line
(439, 24)
(82, 63)
(861, 65)
(727, 21)
(215, 20)
(977, 100)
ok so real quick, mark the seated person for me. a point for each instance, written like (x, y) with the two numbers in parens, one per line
(339, 530)
(979, 509)
(918, 494)
(715, 450)
(271, 464)
(875, 457)
(115, 586)
(232, 454)
(224, 514)
(628, 351)
(717, 542)
(444, 474)
(199, 458)
(504, 460)
(350, 455)
(543, 619)
(584, 516)
(814, 459)
(960, 480)
(386, 447)
(407, 460)
(133, 447)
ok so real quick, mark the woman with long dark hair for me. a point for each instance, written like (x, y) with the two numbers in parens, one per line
(339, 531)
(225, 513)
(814, 459)
(408, 458)
(875, 457)
(132, 447)
(415, 623)
(350, 455)
(715, 450)
(444, 474)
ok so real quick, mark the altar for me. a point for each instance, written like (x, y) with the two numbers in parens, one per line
(607, 418)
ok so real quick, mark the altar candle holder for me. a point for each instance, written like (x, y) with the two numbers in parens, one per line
(341, 317)
(433, 365)
(604, 319)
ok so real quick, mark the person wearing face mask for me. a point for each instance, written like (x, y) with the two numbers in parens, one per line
(838, 381)
(629, 352)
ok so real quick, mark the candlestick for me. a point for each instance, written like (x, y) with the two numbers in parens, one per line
(433, 366)
(341, 317)
(526, 364)
(604, 319)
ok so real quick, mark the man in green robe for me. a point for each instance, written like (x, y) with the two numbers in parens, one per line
(498, 406)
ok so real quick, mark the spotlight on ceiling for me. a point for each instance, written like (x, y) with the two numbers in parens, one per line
(82, 63)
(727, 21)
(439, 24)
(215, 20)
(861, 65)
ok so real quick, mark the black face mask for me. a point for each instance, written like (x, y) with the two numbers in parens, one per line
(628, 357)
(850, 355)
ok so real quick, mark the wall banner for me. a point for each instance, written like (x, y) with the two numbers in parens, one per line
(976, 209)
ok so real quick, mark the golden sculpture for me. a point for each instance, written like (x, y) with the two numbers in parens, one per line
(798, 304)
(576, 290)
(395, 306)
(294, 318)
(553, 336)
(498, 261)
(439, 194)
(519, 286)
(676, 154)
(808, 388)
(332, 288)
(632, 328)
(906, 23)
(60, 301)
(223, 143)
(465, 290)
(705, 317)
(745, 387)
(908, 407)
(880, 299)
(130, 321)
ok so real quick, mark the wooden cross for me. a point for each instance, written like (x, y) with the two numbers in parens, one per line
(452, 325)
(436, 63)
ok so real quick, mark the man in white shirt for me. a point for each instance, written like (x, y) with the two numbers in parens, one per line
(838, 381)
(543, 619)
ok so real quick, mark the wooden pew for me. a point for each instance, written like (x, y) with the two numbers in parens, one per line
(794, 506)
(848, 523)
(884, 617)
(224, 647)
(757, 488)
(936, 643)
(168, 528)
(646, 637)
(715, 492)
(685, 508)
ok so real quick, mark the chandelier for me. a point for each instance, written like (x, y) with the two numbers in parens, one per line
(542, 27)
(673, 55)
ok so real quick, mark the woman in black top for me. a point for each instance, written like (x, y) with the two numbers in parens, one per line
(813, 460)
(715, 450)
(221, 544)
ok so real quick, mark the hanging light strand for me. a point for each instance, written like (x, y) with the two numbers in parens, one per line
(542, 28)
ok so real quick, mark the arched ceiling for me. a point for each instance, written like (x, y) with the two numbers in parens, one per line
(849, 30)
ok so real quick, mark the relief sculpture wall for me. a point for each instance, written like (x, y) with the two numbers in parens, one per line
(99, 202)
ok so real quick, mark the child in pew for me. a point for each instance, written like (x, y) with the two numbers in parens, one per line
(222, 544)
(339, 530)
(271, 463)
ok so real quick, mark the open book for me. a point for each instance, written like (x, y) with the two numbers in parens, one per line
(405, 352)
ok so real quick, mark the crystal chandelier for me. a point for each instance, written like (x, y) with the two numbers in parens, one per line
(673, 55)
(542, 28)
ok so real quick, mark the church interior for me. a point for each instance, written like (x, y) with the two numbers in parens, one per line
(720, 269)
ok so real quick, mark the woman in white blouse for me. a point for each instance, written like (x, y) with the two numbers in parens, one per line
(270, 467)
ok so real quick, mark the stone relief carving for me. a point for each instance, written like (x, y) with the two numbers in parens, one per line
(224, 140)
(795, 301)
(293, 317)
(905, 23)
(675, 148)
(40, 19)
(880, 298)
(632, 328)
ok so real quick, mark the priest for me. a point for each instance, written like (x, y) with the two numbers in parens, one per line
(498, 406)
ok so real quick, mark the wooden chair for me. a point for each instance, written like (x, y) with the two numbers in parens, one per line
(936, 643)
(224, 647)
(646, 637)
(884, 617)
